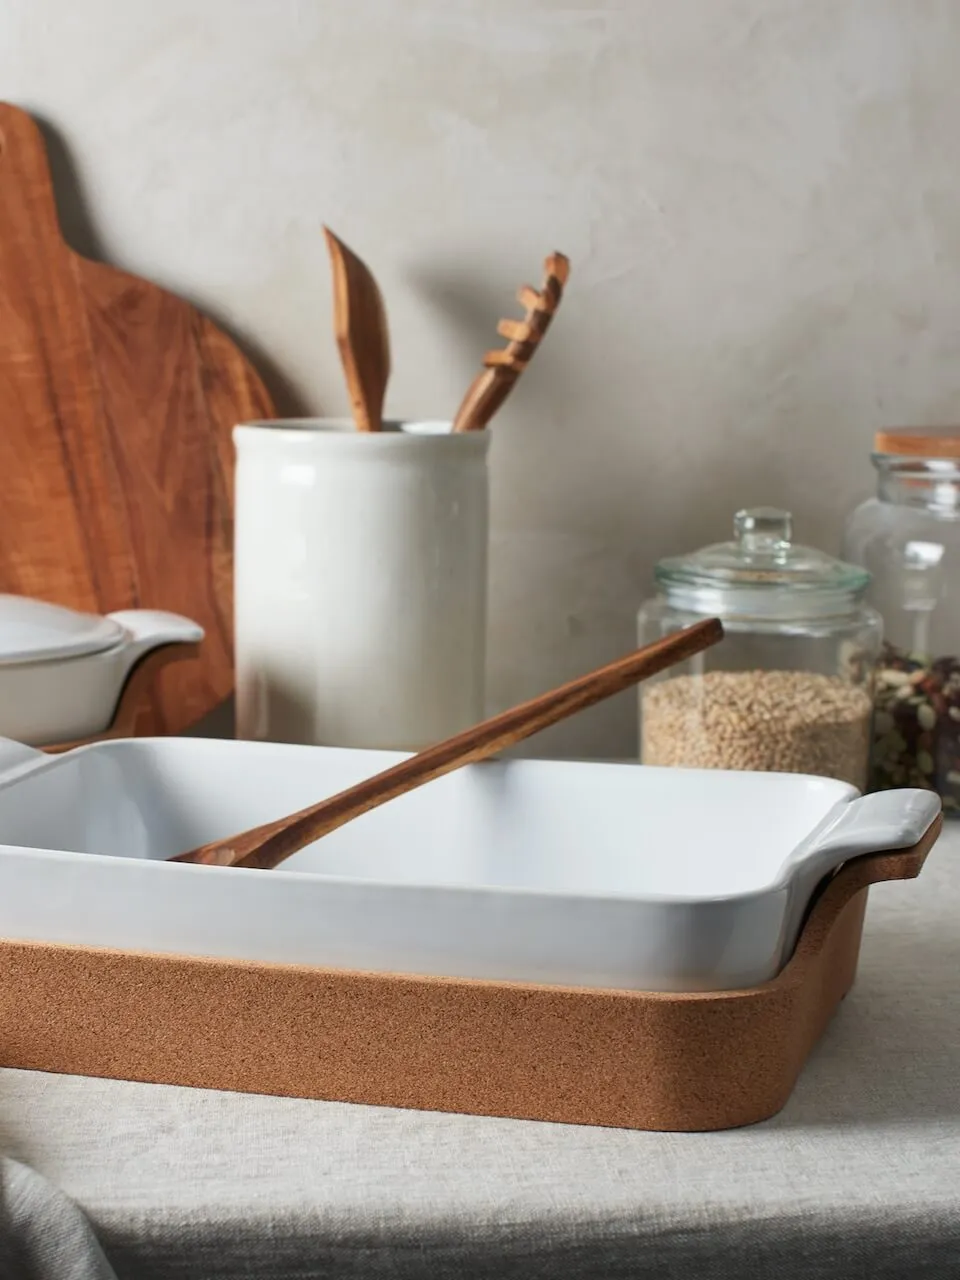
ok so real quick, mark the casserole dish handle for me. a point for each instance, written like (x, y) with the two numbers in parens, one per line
(150, 629)
(874, 823)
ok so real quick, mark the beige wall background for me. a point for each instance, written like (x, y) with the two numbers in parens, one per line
(761, 200)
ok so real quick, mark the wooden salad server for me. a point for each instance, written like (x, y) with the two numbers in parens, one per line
(503, 367)
(268, 845)
(360, 323)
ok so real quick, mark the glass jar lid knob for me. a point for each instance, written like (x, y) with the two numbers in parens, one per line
(762, 574)
(764, 531)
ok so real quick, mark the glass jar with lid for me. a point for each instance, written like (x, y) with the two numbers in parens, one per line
(790, 687)
(908, 538)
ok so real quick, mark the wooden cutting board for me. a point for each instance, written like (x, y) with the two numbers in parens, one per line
(117, 401)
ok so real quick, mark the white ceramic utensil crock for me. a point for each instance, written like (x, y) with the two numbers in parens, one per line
(62, 672)
(600, 875)
(360, 570)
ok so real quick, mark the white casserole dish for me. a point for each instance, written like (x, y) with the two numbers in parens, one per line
(600, 875)
(62, 672)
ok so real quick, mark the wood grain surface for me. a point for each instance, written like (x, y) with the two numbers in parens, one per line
(117, 402)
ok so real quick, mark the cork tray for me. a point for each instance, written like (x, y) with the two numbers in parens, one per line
(600, 1057)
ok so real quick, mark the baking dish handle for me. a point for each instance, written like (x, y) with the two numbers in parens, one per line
(834, 893)
(150, 629)
(875, 823)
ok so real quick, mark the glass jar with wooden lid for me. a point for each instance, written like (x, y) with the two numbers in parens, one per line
(908, 538)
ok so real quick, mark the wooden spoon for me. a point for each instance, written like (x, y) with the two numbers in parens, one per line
(360, 323)
(489, 389)
(267, 846)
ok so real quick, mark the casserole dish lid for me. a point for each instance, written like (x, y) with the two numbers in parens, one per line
(38, 631)
(762, 572)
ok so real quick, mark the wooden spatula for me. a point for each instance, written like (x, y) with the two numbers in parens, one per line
(117, 404)
(360, 322)
(267, 846)
(502, 368)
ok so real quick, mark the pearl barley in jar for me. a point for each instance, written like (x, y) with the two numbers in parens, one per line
(790, 688)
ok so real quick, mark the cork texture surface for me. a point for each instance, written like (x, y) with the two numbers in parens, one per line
(627, 1059)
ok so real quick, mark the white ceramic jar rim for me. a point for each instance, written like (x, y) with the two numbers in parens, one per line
(430, 435)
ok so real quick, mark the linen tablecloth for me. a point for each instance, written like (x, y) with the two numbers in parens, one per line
(858, 1177)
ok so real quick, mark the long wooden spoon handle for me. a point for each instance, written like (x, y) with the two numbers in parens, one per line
(268, 845)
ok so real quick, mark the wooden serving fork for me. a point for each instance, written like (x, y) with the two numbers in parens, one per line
(504, 366)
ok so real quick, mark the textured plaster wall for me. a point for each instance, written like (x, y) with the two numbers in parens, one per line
(761, 199)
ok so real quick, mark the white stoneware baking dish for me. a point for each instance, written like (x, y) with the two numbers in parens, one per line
(609, 875)
(62, 672)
